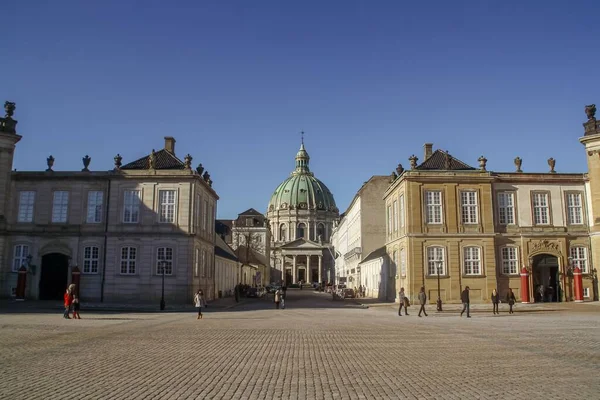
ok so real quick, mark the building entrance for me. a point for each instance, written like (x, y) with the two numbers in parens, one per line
(302, 275)
(546, 279)
(314, 275)
(54, 276)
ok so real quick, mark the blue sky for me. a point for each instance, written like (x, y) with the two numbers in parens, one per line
(236, 81)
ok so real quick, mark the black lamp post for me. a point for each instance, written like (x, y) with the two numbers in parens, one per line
(438, 264)
(162, 297)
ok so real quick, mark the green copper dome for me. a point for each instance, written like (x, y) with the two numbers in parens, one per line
(302, 190)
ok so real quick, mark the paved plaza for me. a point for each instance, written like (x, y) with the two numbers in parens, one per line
(314, 349)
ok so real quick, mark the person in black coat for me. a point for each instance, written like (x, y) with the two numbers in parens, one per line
(511, 300)
(495, 301)
(464, 297)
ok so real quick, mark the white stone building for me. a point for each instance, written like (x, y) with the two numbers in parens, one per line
(227, 268)
(301, 214)
(374, 274)
(121, 228)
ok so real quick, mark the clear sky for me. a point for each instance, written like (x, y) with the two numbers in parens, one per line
(236, 81)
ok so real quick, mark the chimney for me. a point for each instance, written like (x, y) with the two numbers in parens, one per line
(170, 144)
(428, 150)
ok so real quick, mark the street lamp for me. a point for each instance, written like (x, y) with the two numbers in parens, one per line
(162, 297)
(438, 264)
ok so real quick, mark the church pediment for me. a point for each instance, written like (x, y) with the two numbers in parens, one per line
(301, 244)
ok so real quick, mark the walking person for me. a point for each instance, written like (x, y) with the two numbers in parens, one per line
(511, 300)
(464, 297)
(495, 301)
(76, 307)
(199, 302)
(277, 298)
(403, 302)
(283, 296)
(422, 300)
(68, 297)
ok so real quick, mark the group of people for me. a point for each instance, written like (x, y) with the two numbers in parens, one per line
(464, 298)
(71, 302)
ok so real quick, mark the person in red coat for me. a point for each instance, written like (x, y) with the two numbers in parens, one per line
(68, 301)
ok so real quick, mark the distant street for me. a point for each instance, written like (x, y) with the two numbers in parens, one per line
(314, 349)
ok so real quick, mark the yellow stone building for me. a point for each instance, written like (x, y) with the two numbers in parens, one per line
(450, 225)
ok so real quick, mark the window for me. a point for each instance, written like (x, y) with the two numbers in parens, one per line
(468, 201)
(321, 232)
(401, 211)
(282, 233)
(20, 256)
(509, 261)
(579, 258)
(472, 260)
(211, 217)
(164, 260)
(196, 261)
(94, 211)
(197, 208)
(540, 209)
(586, 292)
(128, 256)
(209, 264)
(26, 202)
(203, 262)
(60, 206)
(131, 206)
(394, 266)
(166, 199)
(506, 208)
(395, 216)
(435, 259)
(205, 215)
(389, 217)
(249, 221)
(403, 262)
(574, 209)
(433, 204)
(90, 259)
(301, 230)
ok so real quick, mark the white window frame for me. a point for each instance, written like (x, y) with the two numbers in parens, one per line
(506, 208)
(198, 212)
(395, 211)
(128, 260)
(203, 262)
(579, 258)
(132, 200)
(209, 264)
(26, 206)
(167, 206)
(389, 219)
(469, 207)
(60, 206)
(165, 254)
(94, 206)
(541, 208)
(509, 262)
(205, 216)
(20, 253)
(575, 208)
(91, 259)
(402, 211)
(433, 254)
(434, 212)
(403, 262)
(196, 261)
(472, 261)
(586, 293)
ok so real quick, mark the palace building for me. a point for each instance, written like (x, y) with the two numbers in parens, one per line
(450, 225)
(122, 232)
(301, 214)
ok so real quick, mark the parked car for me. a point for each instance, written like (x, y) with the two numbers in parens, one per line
(348, 293)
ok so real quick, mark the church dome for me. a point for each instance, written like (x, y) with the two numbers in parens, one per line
(302, 190)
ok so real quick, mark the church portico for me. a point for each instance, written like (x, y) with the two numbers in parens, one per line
(303, 262)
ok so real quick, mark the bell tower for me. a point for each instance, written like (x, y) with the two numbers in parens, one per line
(8, 140)
(591, 141)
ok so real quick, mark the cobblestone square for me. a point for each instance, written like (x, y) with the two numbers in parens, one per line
(314, 349)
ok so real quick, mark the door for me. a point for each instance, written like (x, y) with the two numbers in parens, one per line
(54, 276)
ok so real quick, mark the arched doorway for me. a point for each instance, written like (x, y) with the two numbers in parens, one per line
(54, 276)
(546, 279)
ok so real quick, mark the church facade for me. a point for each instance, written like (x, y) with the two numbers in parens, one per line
(301, 214)
(123, 231)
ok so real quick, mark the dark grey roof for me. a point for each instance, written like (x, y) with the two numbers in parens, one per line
(375, 254)
(442, 160)
(251, 211)
(223, 250)
(164, 160)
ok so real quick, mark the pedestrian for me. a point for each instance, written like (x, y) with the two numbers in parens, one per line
(237, 292)
(495, 301)
(277, 298)
(403, 302)
(283, 296)
(199, 302)
(464, 297)
(76, 307)
(68, 297)
(422, 300)
(511, 300)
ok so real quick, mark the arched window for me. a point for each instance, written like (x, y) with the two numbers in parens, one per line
(301, 231)
(282, 233)
(321, 232)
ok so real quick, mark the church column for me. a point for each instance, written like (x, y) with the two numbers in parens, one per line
(307, 274)
(294, 272)
(320, 268)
